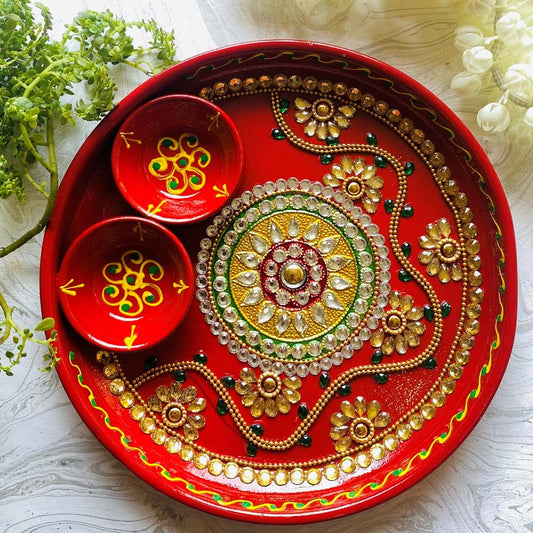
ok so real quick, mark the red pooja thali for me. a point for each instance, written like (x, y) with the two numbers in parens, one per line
(354, 300)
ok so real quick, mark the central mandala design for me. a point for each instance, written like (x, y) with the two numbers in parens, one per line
(293, 275)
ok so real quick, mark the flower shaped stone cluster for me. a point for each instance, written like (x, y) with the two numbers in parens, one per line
(498, 49)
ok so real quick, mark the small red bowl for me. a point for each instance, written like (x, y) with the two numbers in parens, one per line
(125, 283)
(177, 159)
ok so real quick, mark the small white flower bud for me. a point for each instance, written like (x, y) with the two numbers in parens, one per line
(466, 83)
(517, 79)
(528, 118)
(468, 36)
(477, 59)
(493, 117)
(511, 29)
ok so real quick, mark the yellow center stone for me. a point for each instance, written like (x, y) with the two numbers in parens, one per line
(322, 109)
(360, 430)
(394, 322)
(293, 275)
(448, 249)
(174, 414)
(354, 189)
(269, 384)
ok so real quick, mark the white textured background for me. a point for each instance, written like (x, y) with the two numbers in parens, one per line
(55, 476)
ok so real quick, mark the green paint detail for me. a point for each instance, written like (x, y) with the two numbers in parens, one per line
(344, 390)
(409, 168)
(153, 269)
(180, 376)
(371, 139)
(423, 453)
(352, 494)
(222, 407)
(473, 394)
(156, 165)
(429, 312)
(499, 318)
(130, 279)
(112, 269)
(380, 161)
(324, 380)
(446, 309)
(150, 298)
(166, 143)
(501, 289)
(498, 236)
(257, 429)
(459, 415)
(228, 382)
(388, 205)
(93, 402)
(277, 134)
(444, 435)
(326, 159)
(150, 363)
(204, 158)
(109, 290)
(406, 249)
(143, 457)
(484, 369)
(381, 378)
(492, 208)
(182, 162)
(251, 449)
(374, 485)
(299, 505)
(246, 504)
(192, 139)
(430, 363)
(217, 497)
(501, 263)
(332, 141)
(305, 441)
(125, 307)
(284, 105)
(377, 357)
(173, 184)
(135, 256)
(71, 356)
(407, 211)
(125, 440)
(403, 275)
(397, 472)
(195, 180)
(303, 411)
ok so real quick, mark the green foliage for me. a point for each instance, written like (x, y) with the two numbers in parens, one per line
(37, 77)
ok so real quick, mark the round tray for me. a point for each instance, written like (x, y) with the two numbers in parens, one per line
(355, 301)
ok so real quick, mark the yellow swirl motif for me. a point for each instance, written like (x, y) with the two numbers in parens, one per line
(180, 164)
(128, 287)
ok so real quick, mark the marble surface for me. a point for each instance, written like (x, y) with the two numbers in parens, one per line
(54, 474)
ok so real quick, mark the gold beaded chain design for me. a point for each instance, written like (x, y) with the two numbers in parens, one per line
(361, 456)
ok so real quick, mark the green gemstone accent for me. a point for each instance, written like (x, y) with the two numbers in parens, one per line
(200, 358)
(112, 269)
(125, 307)
(182, 162)
(409, 168)
(167, 142)
(344, 390)
(195, 180)
(407, 211)
(246, 504)
(430, 363)
(217, 497)
(377, 357)
(222, 407)
(135, 256)
(380, 161)
(501, 289)
(332, 141)
(446, 309)
(299, 505)
(284, 105)
(204, 158)
(484, 370)
(153, 269)
(173, 184)
(324, 380)
(257, 429)
(150, 298)
(381, 378)
(306, 441)
(429, 312)
(156, 166)
(109, 290)
(373, 485)
(406, 249)
(180, 376)
(397, 472)
(444, 435)
(499, 318)
(150, 363)
(192, 139)
(473, 394)
(403, 275)
(389, 205)
(251, 449)
(228, 382)
(277, 134)
(326, 159)
(130, 280)
(303, 411)
(459, 415)
(371, 139)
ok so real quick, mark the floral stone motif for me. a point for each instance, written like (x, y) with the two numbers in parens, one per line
(293, 275)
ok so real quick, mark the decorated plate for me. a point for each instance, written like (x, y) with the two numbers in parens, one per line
(354, 301)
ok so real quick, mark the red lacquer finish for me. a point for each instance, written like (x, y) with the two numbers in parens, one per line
(177, 159)
(125, 283)
(441, 392)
